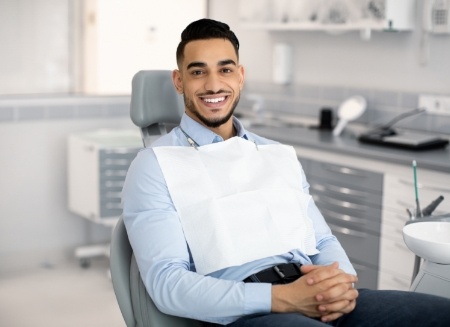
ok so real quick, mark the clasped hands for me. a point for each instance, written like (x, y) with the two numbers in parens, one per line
(324, 292)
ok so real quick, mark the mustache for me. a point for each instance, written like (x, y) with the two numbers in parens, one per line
(221, 91)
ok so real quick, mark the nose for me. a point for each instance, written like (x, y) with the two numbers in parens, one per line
(213, 82)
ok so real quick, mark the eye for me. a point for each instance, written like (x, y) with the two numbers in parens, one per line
(197, 72)
(227, 70)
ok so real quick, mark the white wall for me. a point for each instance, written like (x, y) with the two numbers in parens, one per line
(35, 225)
(28, 29)
(389, 61)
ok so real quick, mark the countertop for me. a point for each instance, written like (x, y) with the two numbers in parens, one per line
(347, 143)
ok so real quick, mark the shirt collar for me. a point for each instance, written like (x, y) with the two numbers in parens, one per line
(203, 135)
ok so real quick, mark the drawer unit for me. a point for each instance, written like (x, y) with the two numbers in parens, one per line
(347, 176)
(361, 246)
(98, 162)
(348, 212)
(113, 167)
(350, 199)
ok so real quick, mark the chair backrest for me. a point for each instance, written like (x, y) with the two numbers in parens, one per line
(155, 107)
(138, 309)
(119, 263)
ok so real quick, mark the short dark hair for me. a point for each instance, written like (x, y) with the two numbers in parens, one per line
(204, 29)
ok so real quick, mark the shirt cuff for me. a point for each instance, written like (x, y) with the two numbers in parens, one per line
(258, 298)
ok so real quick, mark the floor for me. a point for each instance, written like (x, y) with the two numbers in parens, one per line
(63, 295)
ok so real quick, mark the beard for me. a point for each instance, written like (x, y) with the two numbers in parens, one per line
(212, 123)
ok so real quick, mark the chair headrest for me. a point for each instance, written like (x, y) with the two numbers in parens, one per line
(154, 99)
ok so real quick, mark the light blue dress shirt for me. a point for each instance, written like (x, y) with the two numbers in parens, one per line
(162, 254)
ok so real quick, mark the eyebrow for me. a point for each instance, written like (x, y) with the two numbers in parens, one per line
(220, 63)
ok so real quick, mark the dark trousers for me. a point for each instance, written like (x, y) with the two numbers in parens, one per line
(373, 308)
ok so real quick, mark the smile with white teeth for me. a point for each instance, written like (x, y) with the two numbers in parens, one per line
(214, 100)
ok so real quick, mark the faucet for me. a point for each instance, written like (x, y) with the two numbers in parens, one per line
(425, 214)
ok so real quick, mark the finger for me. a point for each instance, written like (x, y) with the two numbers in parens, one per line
(337, 291)
(337, 306)
(308, 268)
(343, 305)
(305, 269)
(331, 317)
(332, 289)
(324, 272)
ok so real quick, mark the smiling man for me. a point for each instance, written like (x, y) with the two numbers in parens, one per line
(210, 82)
(222, 224)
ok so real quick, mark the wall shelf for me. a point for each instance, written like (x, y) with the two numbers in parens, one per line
(338, 15)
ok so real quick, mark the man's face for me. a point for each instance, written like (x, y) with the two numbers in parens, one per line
(210, 79)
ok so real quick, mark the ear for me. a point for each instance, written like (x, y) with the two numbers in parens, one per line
(241, 77)
(176, 79)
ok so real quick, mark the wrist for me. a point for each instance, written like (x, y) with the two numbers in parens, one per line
(280, 303)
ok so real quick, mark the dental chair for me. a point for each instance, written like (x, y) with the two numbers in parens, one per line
(155, 109)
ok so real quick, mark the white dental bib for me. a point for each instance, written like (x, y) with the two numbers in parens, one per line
(237, 202)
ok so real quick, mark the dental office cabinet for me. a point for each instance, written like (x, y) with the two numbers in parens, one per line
(366, 210)
(97, 165)
(350, 199)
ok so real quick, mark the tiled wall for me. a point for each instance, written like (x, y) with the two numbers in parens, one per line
(383, 105)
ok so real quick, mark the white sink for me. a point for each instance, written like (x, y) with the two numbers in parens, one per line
(429, 240)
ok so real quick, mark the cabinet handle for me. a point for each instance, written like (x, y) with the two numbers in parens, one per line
(424, 186)
(344, 171)
(113, 206)
(114, 183)
(343, 217)
(117, 162)
(122, 151)
(110, 172)
(338, 189)
(113, 195)
(339, 203)
(347, 231)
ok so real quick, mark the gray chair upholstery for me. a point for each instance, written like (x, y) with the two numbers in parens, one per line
(138, 309)
(155, 107)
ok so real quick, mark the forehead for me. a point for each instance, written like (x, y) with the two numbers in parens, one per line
(210, 51)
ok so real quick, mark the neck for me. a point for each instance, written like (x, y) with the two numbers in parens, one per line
(226, 131)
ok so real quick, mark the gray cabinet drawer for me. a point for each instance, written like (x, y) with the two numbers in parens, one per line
(346, 176)
(348, 214)
(345, 194)
(360, 246)
(367, 276)
(116, 158)
(113, 167)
